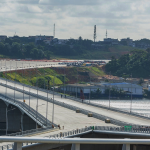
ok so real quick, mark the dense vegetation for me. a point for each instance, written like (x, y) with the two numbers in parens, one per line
(18, 48)
(136, 63)
(23, 47)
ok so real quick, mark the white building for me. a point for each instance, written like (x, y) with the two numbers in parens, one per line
(136, 90)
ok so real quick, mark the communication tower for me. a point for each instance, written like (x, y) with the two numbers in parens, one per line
(94, 33)
(54, 31)
(106, 34)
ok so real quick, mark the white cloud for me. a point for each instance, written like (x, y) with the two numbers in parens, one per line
(74, 18)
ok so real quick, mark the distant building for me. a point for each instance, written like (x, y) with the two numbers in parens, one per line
(44, 38)
(136, 90)
(128, 42)
(59, 41)
(111, 41)
(3, 37)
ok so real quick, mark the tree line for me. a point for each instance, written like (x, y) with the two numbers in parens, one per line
(20, 49)
(135, 64)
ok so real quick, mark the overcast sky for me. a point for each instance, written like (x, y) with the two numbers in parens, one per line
(74, 18)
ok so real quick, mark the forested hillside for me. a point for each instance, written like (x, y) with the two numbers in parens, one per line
(23, 47)
(137, 64)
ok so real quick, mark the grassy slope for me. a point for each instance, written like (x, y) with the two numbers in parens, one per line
(31, 76)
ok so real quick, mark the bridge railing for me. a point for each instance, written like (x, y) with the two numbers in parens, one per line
(33, 131)
(61, 134)
(72, 133)
(33, 113)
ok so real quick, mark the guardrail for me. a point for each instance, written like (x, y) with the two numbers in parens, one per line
(85, 102)
(36, 116)
(66, 137)
(33, 131)
(111, 108)
(83, 111)
(64, 134)
(134, 129)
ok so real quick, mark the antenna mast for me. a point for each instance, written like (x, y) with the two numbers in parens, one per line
(94, 33)
(106, 34)
(54, 31)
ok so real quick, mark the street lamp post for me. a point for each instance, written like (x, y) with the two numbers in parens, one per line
(22, 82)
(15, 81)
(29, 86)
(76, 85)
(53, 103)
(131, 95)
(47, 103)
(64, 81)
(7, 118)
(90, 91)
(109, 91)
(37, 90)
(6, 78)
(10, 70)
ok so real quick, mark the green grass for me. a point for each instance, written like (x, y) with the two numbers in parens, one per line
(97, 71)
(41, 77)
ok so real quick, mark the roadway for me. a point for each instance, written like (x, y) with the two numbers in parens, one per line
(108, 113)
(10, 65)
(63, 116)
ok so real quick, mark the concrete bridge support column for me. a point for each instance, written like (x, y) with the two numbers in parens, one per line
(17, 146)
(3, 108)
(75, 146)
(22, 121)
(126, 147)
(14, 118)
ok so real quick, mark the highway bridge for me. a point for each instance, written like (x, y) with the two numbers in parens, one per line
(31, 107)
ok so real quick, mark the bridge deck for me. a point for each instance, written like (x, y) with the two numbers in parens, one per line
(109, 113)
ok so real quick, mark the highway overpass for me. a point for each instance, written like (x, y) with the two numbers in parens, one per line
(42, 97)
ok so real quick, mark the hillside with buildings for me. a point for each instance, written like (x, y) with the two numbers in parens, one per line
(48, 47)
